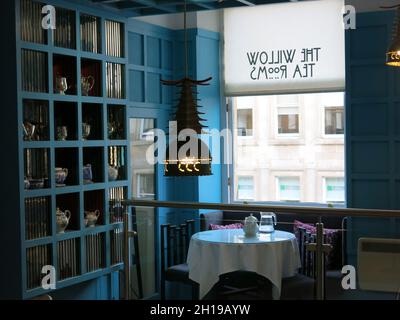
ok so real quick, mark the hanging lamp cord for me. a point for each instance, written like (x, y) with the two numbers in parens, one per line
(185, 39)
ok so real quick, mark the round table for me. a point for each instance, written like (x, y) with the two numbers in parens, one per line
(216, 252)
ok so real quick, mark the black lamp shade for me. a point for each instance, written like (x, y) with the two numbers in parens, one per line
(198, 164)
(393, 54)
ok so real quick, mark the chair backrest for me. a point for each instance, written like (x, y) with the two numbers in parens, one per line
(307, 257)
(175, 243)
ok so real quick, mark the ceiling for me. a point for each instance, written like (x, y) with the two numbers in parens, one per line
(134, 8)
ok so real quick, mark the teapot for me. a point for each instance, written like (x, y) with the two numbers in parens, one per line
(62, 220)
(91, 218)
(267, 222)
(250, 227)
(87, 85)
(61, 174)
(112, 173)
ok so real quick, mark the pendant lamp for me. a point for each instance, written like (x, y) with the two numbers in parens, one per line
(195, 161)
(393, 53)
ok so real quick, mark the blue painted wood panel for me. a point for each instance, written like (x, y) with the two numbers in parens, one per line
(135, 48)
(372, 114)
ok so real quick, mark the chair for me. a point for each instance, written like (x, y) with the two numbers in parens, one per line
(174, 247)
(302, 286)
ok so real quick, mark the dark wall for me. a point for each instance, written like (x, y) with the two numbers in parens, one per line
(372, 128)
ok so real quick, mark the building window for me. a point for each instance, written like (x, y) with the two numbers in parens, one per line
(334, 190)
(145, 185)
(334, 120)
(288, 189)
(244, 122)
(245, 188)
(288, 120)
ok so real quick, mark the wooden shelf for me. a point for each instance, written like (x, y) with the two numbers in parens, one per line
(80, 253)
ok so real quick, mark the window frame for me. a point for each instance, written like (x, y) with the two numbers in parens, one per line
(252, 123)
(277, 114)
(332, 135)
(278, 189)
(253, 180)
(139, 176)
(324, 193)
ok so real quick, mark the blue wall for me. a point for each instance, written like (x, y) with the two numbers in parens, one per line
(372, 130)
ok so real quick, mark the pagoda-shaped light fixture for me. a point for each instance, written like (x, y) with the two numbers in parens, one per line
(195, 161)
(393, 53)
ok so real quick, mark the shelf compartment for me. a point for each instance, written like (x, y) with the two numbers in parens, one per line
(65, 121)
(116, 122)
(116, 163)
(95, 251)
(114, 38)
(115, 81)
(67, 158)
(36, 258)
(70, 202)
(64, 74)
(36, 168)
(92, 118)
(91, 79)
(31, 22)
(36, 120)
(90, 33)
(93, 157)
(94, 206)
(65, 32)
(116, 248)
(34, 71)
(68, 258)
(37, 217)
(115, 197)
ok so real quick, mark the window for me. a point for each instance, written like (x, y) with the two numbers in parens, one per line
(288, 120)
(307, 153)
(334, 190)
(288, 189)
(244, 122)
(143, 130)
(145, 185)
(245, 188)
(334, 120)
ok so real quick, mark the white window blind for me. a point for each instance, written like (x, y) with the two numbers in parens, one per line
(284, 48)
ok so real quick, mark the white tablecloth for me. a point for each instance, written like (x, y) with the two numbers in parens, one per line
(213, 253)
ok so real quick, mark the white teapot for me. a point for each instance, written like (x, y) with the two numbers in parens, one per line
(62, 220)
(250, 227)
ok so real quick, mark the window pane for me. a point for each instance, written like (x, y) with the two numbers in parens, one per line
(288, 123)
(334, 189)
(288, 189)
(308, 154)
(334, 120)
(145, 185)
(143, 182)
(245, 122)
(245, 188)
